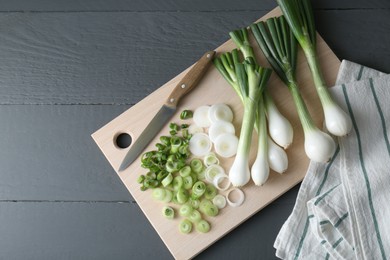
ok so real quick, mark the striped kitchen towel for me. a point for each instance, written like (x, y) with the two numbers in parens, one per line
(342, 209)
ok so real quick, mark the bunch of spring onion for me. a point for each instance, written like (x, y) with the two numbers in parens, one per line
(299, 16)
(279, 127)
(249, 81)
(280, 48)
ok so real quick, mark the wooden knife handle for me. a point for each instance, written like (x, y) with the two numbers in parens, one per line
(190, 80)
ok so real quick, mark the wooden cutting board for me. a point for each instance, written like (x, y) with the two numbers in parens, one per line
(211, 90)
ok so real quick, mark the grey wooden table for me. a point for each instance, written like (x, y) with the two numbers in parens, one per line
(69, 67)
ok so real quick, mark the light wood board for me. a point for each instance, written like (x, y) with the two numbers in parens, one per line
(211, 90)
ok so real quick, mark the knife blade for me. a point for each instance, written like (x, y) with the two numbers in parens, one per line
(167, 110)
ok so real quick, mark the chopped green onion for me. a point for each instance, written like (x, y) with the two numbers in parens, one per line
(185, 226)
(210, 159)
(195, 216)
(168, 212)
(210, 192)
(211, 210)
(194, 203)
(185, 171)
(174, 127)
(203, 226)
(204, 204)
(198, 189)
(186, 114)
(177, 182)
(185, 210)
(167, 180)
(212, 171)
(182, 196)
(168, 196)
(187, 182)
(151, 175)
(173, 132)
(141, 179)
(158, 193)
(175, 144)
(196, 165)
(219, 201)
(183, 126)
(166, 140)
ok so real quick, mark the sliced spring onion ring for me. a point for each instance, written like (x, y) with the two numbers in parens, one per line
(210, 159)
(185, 171)
(201, 116)
(210, 192)
(226, 145)
(219, 201)
(211, 210)
(177, 182)
(220, 127)
(182, 196)
(201, 175)
(195, 216)
(195, 203)
(196, 165)
(168, 196)
(236, 201)
(212, 171)
(222, 182)
(198, 189)
(220, 112)
(158, 193)
(187, 182)
(185, 210)
(168, 212)
(185, 226)
(202, 226)
(200, 144)
(167, 180)
(194, 129)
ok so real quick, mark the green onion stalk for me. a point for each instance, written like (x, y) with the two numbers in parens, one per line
(279, 127)
(299, 16)
(225, 64)
(249, 81)
(280, 48)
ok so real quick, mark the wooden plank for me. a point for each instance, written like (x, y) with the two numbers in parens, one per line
(47, 154)
(82, 230)
(72, 230)
(364, 41)
(102, 58)
(170, 5)
(134, 120)
(119, 58)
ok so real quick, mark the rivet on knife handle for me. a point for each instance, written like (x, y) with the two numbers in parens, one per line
(190, 80)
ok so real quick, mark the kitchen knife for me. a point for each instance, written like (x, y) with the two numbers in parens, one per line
(188, 82)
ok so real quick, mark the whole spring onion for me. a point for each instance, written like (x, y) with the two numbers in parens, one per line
(299, 16)
(260, 168)
(279, 127)
(252, 80)
(280, 48)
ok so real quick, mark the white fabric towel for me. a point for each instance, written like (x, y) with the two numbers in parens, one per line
(343, 207)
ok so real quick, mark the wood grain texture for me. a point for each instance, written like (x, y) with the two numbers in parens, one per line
(74, 230)
(41, 45)
(170, 5)
(119, 58)
(47, 154)
(213, 89)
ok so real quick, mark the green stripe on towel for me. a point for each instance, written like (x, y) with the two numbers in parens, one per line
(367, 182)
(380, 114)
(326, 173)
